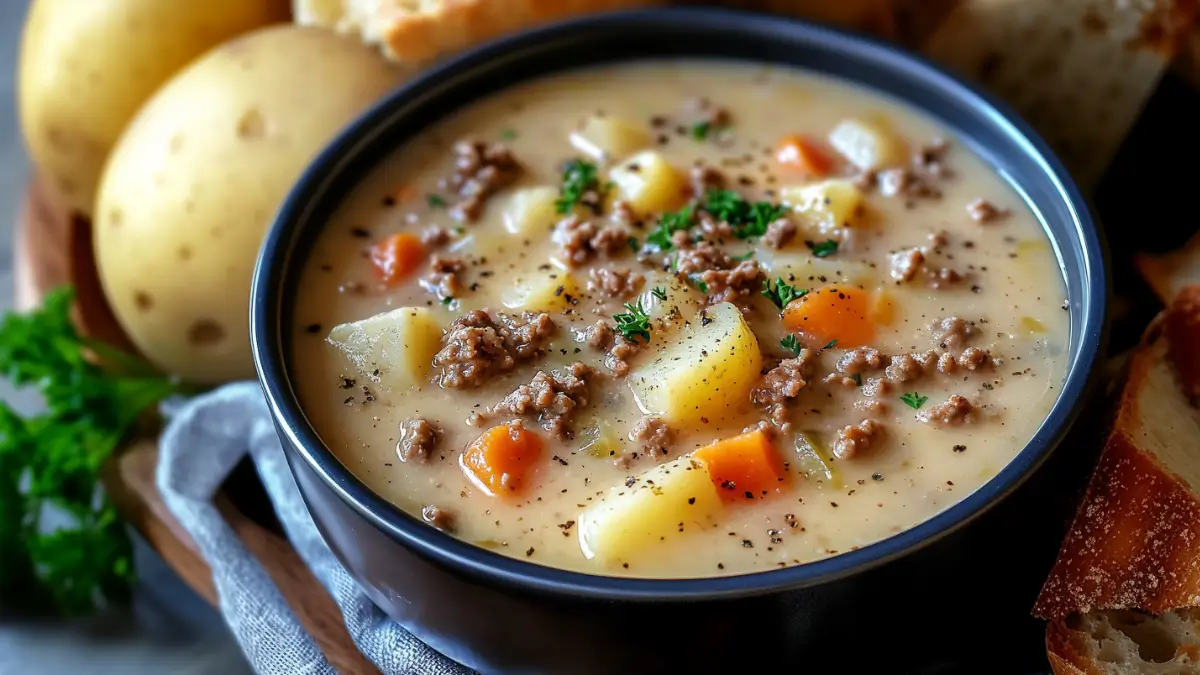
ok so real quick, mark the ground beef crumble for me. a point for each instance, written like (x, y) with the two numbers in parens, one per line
(983, 212)
(552, 398)
(654, 435)
(860, 360)
(780, 385)
(443, 279)
(618, 350)
(726, 279)
(705, 178)
(418, 438)
(476, 346)
(580, 240)
(855, 439)
(480, 169)
(952, 412)
(952, 333)
(435, 236)
(615, 283)
(442, 519)
(780, 233)
(904, 265)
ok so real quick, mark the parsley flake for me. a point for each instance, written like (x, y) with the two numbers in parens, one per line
(746, 219)
(745, 256)
(669, 224)
(634, 323)
(579, 177)
(508, 134)
(829, 345)
(914, 400)
(782, 293)
(791, 343)
(698, 283)
(633, 244)
(825, 248)
(435, 201)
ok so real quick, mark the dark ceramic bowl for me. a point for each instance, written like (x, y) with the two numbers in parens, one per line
(501, 614)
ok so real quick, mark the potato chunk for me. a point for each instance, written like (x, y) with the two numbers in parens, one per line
(807, 271)
(552, 291)
(606, 139)
(868, 145)
(704, 374)
(649, 183)
(394, 348)
(666, 502)
(823, 207)
(531, 211)
(670, 302)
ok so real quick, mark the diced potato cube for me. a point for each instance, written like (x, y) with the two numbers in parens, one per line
(531, 211)
(649, 183)
(679, 303)
(669, 501)
(868, 145)
(823, 207)
(606, 139)
(704, 374)
(551, 291)
(803, 270)
(394, 348)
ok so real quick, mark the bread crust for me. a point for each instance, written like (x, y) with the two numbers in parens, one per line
(1170, 273)
(1060, 650)
(1135, 540)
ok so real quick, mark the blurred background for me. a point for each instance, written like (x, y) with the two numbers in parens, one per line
(168, 630)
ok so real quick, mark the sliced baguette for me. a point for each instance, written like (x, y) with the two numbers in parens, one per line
(1125, 643)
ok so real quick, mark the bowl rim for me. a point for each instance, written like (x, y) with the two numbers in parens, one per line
(480, 563)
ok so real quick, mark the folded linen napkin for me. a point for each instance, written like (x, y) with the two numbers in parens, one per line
(204, 440)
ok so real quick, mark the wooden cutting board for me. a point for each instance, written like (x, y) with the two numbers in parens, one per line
(52, 249)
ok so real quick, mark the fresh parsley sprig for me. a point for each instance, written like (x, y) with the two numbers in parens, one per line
(747, 219)
(668, 224)
(914, 400)
(62, 545)
(822, 249)
(579, 177)
(635, 323)
(791, 343)
(781, 293)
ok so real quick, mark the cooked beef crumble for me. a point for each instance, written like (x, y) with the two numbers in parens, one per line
(726, 279)
(443, 279)
(480, 169)
(952, 412)
(952, 333)
(580, 240)
(435, 236)
(905, 265)
(615, 283)
(854, 439)
(982, 211)
(618, 350)
(442, 519)
(552, 399)
(705, 178)
(654, 435)
(860, 360)
(418, 438)
(780, 385)
(780, 233)
(476, 346)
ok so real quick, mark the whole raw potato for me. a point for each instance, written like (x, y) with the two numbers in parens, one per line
(192, 185)
(86, 67)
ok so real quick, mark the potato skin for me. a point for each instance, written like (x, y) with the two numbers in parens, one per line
(194, 182)
(86, 67)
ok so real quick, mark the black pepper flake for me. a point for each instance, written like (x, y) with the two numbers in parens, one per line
(312, 328)
(876, 476)
(728, 485)
(976, 289)
(720, 566)
(691, 500)
(560, 460)
(389, 200)
(833, 504)
(630, 481)
(360, 233)
(749, 494)
(960, 448)
(746, 543)
(529, 552)
(790, 519)
(349, 400)
(347, 383)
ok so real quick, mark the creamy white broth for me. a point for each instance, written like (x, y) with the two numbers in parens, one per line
(1013, 293)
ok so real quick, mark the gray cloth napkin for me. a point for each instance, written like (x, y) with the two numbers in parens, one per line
(205, 438)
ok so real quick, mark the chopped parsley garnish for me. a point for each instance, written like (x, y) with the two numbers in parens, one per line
(791, 344)
(829, 345)
(700, 285)
(745, 256)
(824, 248)
(669, 224)
(579, 176)
(782, 293)
(914, 400)
(700, 130)
(435, 201)
(747, 219)
(447, 301)
(62, 543)
(508, 134)
(633, 244)
(634, 323)
(659, 292)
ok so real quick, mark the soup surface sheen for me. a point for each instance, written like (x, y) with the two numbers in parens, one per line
(924, 355)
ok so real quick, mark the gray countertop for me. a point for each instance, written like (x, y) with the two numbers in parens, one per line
(169, 630)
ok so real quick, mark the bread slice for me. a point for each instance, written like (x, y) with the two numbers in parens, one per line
(1125, 643)
(1169, 273)
(1123, 596)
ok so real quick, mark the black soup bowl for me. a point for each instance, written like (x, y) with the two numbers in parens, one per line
(867, 610)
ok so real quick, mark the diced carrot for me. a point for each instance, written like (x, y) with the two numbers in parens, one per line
(803, 154)
(397, 256)
(834, 312)
(744, 467)
(499, 461)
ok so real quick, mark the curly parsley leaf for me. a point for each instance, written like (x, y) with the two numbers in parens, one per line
(579, 177)
(634, 323)
(825, 248)
(670, 223)
(914, 400)
(435, 201)
(62, 544)
(791, 343)
(747, 219)
(782, 292)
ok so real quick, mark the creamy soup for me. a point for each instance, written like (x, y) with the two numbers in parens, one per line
(680, 319)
